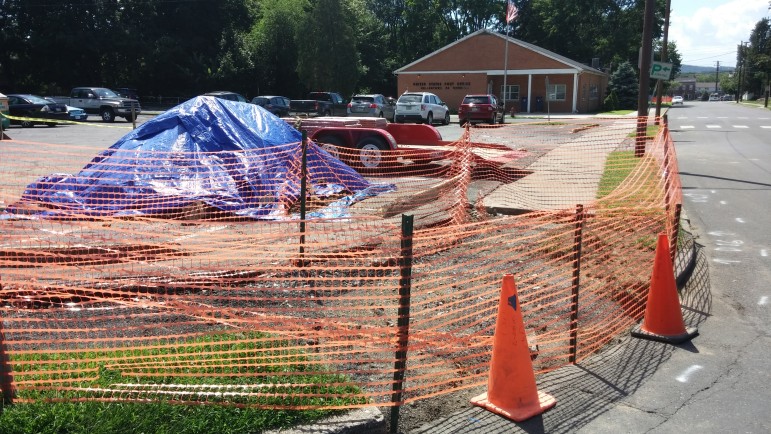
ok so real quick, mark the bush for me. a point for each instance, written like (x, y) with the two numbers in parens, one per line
(611, 102)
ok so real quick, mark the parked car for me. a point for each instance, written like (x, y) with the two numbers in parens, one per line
(677, 99)
(320, 104)
(230, 96)
(101, 101)
(375, 105)
(420, 107)
(714, 97)
(74, 113)
(480, 108)
(727, 97)
(278, 105)
(37, 107)
(127, 92)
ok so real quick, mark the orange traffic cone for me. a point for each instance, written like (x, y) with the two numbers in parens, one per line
(511, 389)
(663, 319)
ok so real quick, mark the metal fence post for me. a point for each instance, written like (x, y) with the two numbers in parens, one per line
(576, 283)
(675, 232)
(303, 192)
(403, 322)
(6, 378)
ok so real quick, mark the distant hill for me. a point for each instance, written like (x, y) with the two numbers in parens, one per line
(693, 69)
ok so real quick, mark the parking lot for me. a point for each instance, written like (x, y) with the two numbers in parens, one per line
(102, 135)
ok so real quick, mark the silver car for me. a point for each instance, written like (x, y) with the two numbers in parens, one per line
(375, 105)
(421, 107)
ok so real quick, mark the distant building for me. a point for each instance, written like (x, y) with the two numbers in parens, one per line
(537, 79)
(685, 87)
(708, 87)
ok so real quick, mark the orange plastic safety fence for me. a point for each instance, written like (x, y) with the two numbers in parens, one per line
(200, 305)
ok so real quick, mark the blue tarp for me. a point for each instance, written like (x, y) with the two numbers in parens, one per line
(235, 157)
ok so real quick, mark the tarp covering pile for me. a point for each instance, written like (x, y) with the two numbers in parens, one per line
(232, 157)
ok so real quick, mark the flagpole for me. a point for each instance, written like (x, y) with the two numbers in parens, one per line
(505, 72)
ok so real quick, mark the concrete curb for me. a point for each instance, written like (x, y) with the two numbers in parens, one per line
(367, 420)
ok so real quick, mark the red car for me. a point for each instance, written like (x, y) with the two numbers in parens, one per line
(480, 108)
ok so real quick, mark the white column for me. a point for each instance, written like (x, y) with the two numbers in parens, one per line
(529, 91)
(575, 92)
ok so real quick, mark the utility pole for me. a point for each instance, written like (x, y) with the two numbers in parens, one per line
(717, 75)
(739, 66)
(664, 58)
(645, 75)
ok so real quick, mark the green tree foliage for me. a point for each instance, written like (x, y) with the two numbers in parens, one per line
(759, 60)
(624, 83)
(611, 101)
(273, 40)
(327, 55)
(184, 48)
(606, 29)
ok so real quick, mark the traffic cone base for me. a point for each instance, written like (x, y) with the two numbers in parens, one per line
(663, 319)
(690, 333)
(517, 414)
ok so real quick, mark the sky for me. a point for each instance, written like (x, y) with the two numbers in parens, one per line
(708, 31)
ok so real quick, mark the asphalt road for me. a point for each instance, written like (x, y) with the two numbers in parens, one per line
(719, 382)
(97, 133)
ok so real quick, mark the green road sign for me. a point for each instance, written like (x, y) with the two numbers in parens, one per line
(661, 70)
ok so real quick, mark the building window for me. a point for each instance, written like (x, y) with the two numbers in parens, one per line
(556, 92)
(594, 91)
(510, 92)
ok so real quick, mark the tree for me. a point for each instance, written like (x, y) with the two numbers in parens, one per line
(760, 56)
(274, 47)
(328, 59)
(623, 83)
(587, 29)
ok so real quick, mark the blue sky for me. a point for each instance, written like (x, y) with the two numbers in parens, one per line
(708, 31)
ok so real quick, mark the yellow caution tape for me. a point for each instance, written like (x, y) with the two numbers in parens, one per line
(56, 121)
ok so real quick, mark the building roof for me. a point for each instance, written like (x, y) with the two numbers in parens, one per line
(571, 64)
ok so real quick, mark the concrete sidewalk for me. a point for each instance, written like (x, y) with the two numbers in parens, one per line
(563, 177)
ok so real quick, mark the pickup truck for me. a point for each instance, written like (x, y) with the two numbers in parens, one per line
(320, 104)
(103, 102)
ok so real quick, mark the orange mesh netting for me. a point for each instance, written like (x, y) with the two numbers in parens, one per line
(303, 314)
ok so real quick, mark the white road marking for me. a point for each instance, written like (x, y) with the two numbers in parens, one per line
(722, 202)
(763, 301)
(683, 378)
(687, 127)
(765, 126)
(697, 198)
(739, 220)
(732, 243)
(763, 252)
(721, 233)
(726, 261)
(740, 126)
(714, 126)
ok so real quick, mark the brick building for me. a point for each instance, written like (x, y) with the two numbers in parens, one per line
(475, 64)
(685, 87)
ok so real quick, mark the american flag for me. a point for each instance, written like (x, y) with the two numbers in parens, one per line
(511, 12)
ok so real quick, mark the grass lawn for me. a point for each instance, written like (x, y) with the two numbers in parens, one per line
(198, 368)
(617, 167)
(617, 112)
